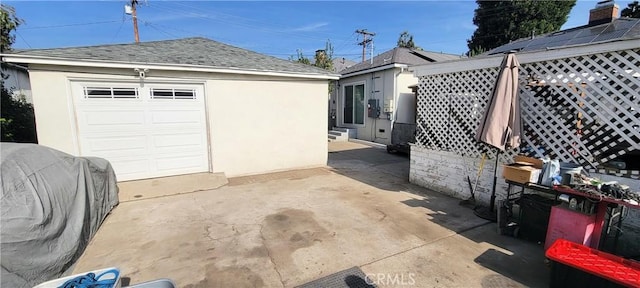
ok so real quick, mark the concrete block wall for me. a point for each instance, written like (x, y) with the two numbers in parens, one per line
(447, 172)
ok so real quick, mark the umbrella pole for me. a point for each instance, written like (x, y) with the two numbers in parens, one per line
(495, 181)
(489, 213)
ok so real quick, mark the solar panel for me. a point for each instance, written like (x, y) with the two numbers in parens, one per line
(619, 28)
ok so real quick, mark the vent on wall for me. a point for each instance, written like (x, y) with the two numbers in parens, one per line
(173, 93)
(110, 93)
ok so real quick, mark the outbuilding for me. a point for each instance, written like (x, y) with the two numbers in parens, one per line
(183, 106)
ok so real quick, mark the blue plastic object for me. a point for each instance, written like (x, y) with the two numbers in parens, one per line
(90, 280)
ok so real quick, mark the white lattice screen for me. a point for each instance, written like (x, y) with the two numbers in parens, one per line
(583, 109)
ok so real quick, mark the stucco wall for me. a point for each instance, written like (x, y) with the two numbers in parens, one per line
(257, 124)
(262, 126)
(381, 85)
(53, 110)
(406, 99)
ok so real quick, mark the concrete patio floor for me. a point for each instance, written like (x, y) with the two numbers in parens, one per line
(287, 229)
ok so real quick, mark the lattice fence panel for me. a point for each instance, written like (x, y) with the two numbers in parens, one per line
(583, 109)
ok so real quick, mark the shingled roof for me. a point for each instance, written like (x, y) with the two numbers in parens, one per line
(617, 29)
(400, 55)
(188, 51)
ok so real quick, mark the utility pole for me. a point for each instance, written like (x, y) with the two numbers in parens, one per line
(134, 15)
(365, 41)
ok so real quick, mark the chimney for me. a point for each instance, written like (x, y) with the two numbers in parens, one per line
(605, 12)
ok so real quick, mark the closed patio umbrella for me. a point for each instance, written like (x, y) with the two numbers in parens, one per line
(500, 126)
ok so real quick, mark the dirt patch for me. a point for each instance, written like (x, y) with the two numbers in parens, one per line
(228, 277)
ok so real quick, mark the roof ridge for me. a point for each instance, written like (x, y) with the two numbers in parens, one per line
(195, 51)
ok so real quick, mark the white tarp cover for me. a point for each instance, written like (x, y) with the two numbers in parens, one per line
(52, 205)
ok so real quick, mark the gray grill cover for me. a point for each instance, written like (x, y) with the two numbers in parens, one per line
(52, 205)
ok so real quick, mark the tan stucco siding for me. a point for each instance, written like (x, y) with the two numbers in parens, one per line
(379, 85)
(256, 124)
(406, 100)
(259, 126)
(53, 109)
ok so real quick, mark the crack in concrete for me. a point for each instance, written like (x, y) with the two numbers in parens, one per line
(384, 216)
(275, 267)
(427, 243)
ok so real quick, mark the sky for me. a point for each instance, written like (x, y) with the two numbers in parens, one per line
(274, 28)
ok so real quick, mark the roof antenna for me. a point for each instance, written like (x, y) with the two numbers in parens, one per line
(533, 34)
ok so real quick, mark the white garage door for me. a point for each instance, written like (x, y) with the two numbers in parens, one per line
(145, 131)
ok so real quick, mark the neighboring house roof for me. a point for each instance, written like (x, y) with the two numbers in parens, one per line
(617, 29)
(194, 52)
(340, 64)
(399, 55)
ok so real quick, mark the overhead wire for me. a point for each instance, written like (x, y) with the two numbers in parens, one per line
(261, 28)
(69, 25)
(23, 40)
(146, 23)
(259, 22)
(344, 42)
(124, 18)
(207, 17)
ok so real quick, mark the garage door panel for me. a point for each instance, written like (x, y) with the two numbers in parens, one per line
(127, 169)
(143, 137)
(110, 146)
(91, 121)
(181, 163)
(176, 117)
(182, 141)
(135, 117)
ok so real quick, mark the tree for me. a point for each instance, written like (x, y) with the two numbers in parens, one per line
(632, 10)
(17, 120)
(9, 23)
(406, 40)
(300, 58)
(499, 22)
(324, 57)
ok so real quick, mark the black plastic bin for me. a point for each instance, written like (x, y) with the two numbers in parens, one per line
(534, 216)
(563, 276)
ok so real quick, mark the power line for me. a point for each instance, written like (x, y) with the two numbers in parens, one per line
(261, 28)
(23, 40)
(158, 29)
(119, 28)
(258, 22)
(69, 25)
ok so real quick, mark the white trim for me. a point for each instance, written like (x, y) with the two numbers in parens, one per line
(523, 57)
(390, 66)
(341, 106)
(71, 109)
(30, 59)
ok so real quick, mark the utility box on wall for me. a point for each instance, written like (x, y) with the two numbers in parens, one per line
(388, 106)
(373, 108)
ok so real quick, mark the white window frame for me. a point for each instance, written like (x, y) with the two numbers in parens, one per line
(343, 93)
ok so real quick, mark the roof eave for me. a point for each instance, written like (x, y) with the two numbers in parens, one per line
(43, 60)
(374, 69)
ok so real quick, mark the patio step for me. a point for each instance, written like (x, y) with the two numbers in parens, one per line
(335, 135)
